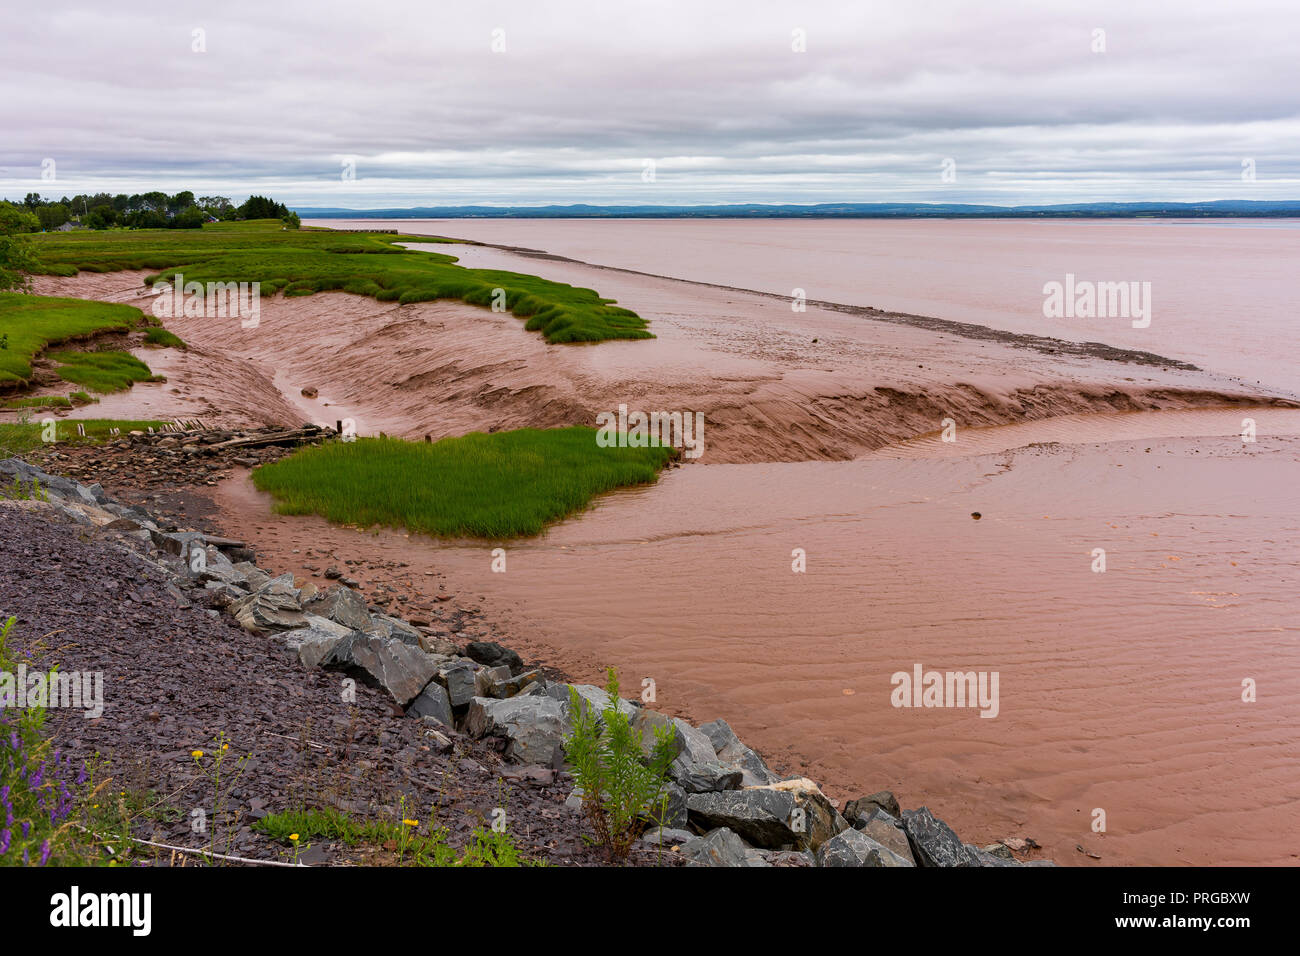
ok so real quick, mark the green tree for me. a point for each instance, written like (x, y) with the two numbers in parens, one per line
(102, 217)
(17, 258)
(53, 216)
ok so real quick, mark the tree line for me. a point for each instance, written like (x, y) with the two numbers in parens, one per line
(153, 210)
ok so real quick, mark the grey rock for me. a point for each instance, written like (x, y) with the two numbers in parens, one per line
(933, 842)
(732, 753)
(535, 726)
(489, 679)
(1000, 850)
(988, 859)
(342, 605)
(177, 542)
(272, 607)
(458, 678)
(765, 818)
(855, 848)
(433, 703)
(720, 847)
(589, 696)
(888, 832)
(862, 808)
(312, 646)
(710, 777)
(401, 670)
(695, 743)
(254, 577)
(671, 811)
(394, 628)
(667, 836)
(492, 654)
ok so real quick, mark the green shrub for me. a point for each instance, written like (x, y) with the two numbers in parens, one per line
(621, 787)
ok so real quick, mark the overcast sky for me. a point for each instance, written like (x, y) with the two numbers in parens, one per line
(276, 97)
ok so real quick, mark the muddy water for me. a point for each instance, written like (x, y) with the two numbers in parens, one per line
(1223, 292)
(1118, 690)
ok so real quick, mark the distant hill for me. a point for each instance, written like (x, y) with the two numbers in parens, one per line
(1223, 208)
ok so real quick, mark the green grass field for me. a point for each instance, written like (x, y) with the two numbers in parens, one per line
(501, 485)
(31, 323)
(301, 262)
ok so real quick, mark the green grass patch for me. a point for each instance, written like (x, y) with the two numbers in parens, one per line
(501, 485)
(31, 323)
(40, 401)
(101, 372)
(302, 262)
(22, 438)
(160, 336)
(405, 842)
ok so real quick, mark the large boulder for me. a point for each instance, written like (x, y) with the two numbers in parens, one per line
(433, 703)
(765, 818)
(590, 697)
(855, 848)
(710, 777)
(671, 811)
(933, 842)
(272, 607)
(400, 669)
(857, 812)
(732, 753)
(459, 679)
(534, 724)
(818, 815)
(720, 847)
(888, 832)
(313, 643)
(342, 605)
(491, 654)
(394, 628)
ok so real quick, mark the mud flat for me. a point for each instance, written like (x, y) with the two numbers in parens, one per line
(773, 385)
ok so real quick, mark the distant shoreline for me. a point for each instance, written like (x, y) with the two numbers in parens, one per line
(1215, 209)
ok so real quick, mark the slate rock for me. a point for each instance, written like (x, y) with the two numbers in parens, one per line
(491, 654)
(434, 704)
(764, 818)
(401, 670)
(860, 810)
(732, 753)
(535, 726)
(933, 842)
(887, 831)
(855, 848)
(710, 777)
(342, 605)
(719, 847)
